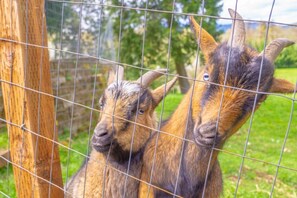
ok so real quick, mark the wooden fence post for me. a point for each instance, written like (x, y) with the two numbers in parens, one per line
(27, 66)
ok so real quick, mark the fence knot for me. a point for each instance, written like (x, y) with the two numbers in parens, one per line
(23, 127)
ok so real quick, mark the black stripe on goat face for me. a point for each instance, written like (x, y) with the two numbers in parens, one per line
(137, 106)
(243, 73)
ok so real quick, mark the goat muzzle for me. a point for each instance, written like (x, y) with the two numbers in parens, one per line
(102, 140)
(206, 135)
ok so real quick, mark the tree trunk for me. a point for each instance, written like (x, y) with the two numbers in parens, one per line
(183, 82)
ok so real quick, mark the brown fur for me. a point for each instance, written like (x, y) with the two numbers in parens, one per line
(168, 154)
(105, 172)
(237, 105)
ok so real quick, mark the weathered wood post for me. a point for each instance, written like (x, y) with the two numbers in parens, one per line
(26, 110)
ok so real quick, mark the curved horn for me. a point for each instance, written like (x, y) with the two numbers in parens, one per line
(116, 73)
(146, 79)
(238, 38)
(207, 42)
(273, 49)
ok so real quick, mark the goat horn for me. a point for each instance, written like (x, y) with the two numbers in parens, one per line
(146, 79)
(207, 42)
(273, 49)
(116, 74)
(238, 39)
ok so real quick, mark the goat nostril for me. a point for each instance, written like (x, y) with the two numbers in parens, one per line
(102, 134)
(205, 131)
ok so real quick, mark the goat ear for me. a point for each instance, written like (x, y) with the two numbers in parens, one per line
(115, 74)
(282, 86)
(206, 41)
(160, 92)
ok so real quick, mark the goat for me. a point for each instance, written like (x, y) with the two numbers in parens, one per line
(114, 151)
(244, 67)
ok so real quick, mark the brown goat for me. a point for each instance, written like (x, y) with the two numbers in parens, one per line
(179, 166)
(118, 143)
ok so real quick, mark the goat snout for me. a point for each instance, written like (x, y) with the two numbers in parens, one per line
(206, 134)
(101, 139)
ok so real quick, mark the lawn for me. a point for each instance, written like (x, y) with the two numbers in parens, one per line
(266, 139)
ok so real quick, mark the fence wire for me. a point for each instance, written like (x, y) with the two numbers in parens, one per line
(65, 51)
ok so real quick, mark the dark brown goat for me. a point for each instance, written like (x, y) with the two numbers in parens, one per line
(122, 103)
(244, 66)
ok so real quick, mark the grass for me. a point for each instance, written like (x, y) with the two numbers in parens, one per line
(265, 143)
(266, 139)
(170, 103)
(287, 73)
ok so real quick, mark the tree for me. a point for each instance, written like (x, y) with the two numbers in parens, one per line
(257, 35)
(157, 32)
(76, 24)
(54, 12)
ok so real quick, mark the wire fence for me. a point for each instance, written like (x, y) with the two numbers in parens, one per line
(86, 38)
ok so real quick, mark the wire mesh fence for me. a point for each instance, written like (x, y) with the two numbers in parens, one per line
(87, 38)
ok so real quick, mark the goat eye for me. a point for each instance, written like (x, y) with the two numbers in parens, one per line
(140, 111)
(101, 105)
(206, 77)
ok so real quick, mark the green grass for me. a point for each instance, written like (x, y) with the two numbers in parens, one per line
(266, 138)
(170, 103)
(3, 138)
(287, 73)
(6, 176)
(265, 143)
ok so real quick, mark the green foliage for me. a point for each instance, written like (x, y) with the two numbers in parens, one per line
(6, 175)
(57, 24)
(3, 138)
(54, 16)
(145, 35)
(6, 182)
(286, 59)
(75, 25)
(156, 27)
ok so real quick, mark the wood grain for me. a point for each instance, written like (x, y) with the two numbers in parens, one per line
(28, 66)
